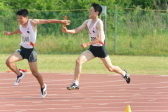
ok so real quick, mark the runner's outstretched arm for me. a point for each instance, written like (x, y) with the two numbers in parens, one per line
(11, 33)
(77, 30)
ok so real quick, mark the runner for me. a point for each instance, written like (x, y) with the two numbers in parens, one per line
(97, 46)
(27, 51)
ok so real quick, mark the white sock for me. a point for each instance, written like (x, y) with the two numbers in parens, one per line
(76, 82)
(124, 73)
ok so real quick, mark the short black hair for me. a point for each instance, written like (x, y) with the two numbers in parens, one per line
(97, 7)
(23, 12)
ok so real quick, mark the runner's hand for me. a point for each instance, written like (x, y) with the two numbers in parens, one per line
(84, 45)
(7, 33)
(67, 22)
(64, 29)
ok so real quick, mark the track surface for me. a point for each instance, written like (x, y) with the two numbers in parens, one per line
(97, 93)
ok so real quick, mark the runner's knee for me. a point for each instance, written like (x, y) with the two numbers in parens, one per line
(36, 74)
(111, 69)
(79, 61)
(8, 63)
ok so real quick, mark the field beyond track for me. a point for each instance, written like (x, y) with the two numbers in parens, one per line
(148, 65)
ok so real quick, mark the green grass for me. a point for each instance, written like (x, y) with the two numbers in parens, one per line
(65, 64)
(155, 45)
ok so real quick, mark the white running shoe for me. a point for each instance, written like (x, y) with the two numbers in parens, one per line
(44, 91)
(126, 77)
(19, 78)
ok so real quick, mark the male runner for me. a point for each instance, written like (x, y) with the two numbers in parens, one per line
(97, 46)
(28, 32)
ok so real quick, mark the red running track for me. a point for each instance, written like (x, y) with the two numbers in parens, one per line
(97, 93)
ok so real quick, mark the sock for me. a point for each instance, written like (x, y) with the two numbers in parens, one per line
(76, 82)
(43, 87)
(123, 75)
(20, 75)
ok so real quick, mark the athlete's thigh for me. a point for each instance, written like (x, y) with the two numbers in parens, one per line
(14, 57)
(33, 66)
(106, 61)
(86, 56)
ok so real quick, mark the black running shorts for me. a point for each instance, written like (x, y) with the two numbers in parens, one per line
(29, 54)
(98, 51)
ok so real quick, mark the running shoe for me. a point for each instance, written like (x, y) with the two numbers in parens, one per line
(73, 86)
(19, 78)
(44, 91)
(126, 77)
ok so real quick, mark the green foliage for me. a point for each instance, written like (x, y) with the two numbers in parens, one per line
(160, 4)
(54, 4)
(81, 4)
(32, 5)
(4, 5)
(136, 29)
(143, 3)
(155, 45)
(123, 4)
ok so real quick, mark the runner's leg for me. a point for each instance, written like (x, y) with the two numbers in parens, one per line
(10, 62)
(110, 67)
(84, 57)
(34, 70)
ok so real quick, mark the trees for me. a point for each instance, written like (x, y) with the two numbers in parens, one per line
(80, 4)
(3, 4)
(52, 4)
(161, 4)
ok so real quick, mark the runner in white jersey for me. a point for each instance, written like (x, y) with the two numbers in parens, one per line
(27, 51)
(28, 35)
(97, 46)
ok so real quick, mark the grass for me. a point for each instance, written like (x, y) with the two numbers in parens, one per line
(138, 33)
(65, 64)
(155, 45)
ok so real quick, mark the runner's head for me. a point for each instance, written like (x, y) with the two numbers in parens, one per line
(22, 16)
(95, 10)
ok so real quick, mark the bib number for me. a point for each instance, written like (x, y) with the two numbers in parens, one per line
(25, 39)
(92, 38)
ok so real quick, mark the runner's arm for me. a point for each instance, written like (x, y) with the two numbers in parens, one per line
(77, 30)
(44, 21)
(11, 33)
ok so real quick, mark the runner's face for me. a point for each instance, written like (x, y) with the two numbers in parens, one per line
(92, 13)
(22, 20)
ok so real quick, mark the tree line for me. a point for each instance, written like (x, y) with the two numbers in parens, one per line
(81, 4)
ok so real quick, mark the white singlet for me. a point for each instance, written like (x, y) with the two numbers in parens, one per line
(28, 36)
(93, 33)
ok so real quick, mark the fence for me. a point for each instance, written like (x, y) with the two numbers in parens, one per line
(138, 32)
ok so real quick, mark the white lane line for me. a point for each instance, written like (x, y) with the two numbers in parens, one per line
(164, 75)
(143, 88)
(99, 91)
(162, 87)
(52, 108)
(103, 104)
(36, 102)
(160, 92)
(76, 106)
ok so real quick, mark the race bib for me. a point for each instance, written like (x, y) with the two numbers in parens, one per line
(25, 38)
(92, 38)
